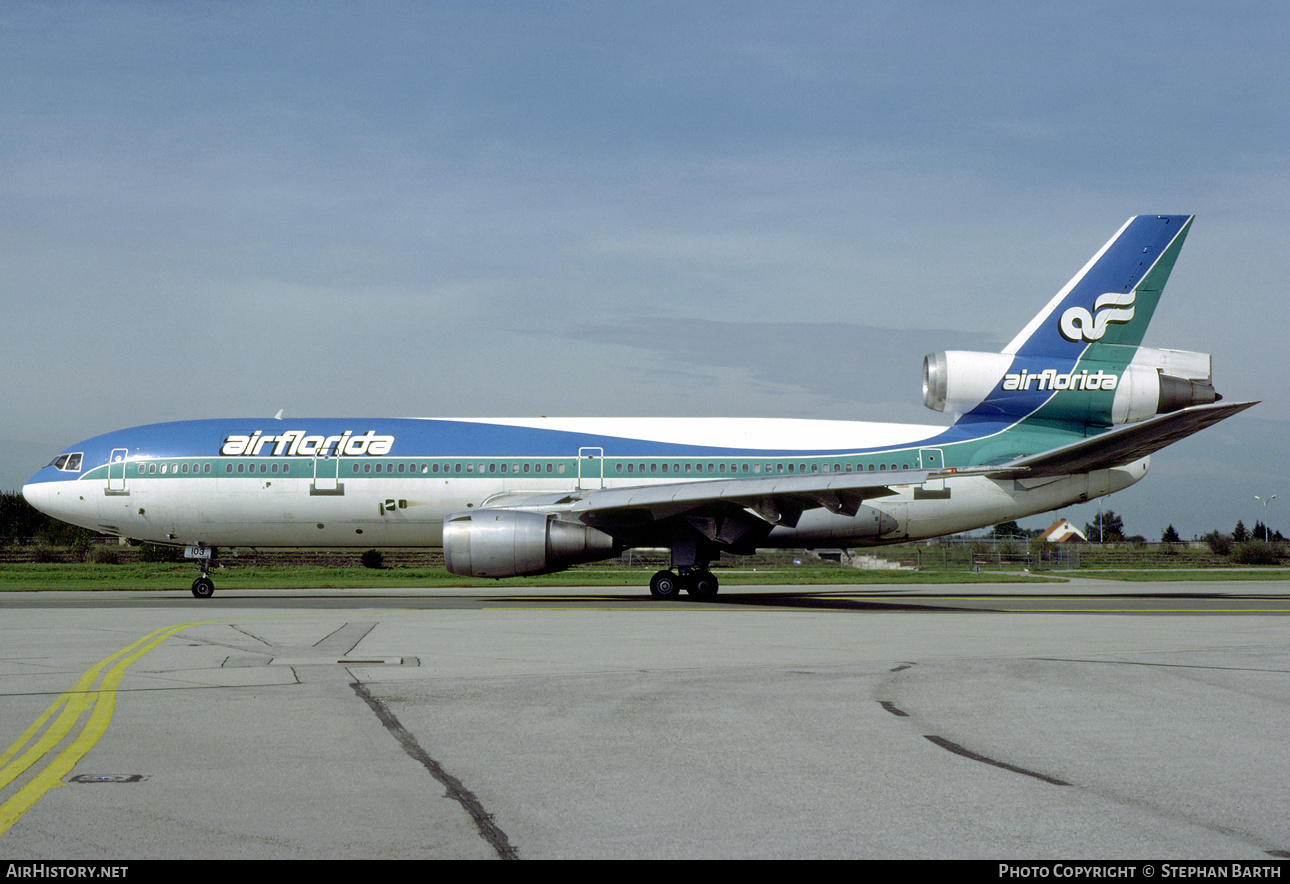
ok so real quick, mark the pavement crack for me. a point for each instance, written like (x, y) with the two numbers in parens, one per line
(488, 829)
(951, 746)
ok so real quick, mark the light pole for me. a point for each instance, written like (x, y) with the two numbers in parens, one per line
(1265, 512)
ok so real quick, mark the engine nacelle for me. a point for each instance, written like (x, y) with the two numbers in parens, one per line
(956, 381)
(512, 543)
(1098, 393)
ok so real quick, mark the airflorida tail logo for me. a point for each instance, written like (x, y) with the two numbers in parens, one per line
(1079, 325)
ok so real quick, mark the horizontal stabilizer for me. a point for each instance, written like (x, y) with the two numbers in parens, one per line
(1122, 445)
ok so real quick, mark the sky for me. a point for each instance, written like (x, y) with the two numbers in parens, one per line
(626, 209)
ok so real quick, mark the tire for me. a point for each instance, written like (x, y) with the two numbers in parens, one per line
(203, 588)
(665, 585)
(703, 585)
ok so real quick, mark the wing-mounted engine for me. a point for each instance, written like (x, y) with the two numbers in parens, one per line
(1099, 392)
(512, 543)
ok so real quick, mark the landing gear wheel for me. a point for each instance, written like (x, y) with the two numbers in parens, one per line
(203, 587)
(702, 584)
(665, 585)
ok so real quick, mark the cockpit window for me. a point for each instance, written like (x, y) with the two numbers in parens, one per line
(68, 463)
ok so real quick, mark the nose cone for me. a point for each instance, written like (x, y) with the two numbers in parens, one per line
(37, 493)
(65, 500)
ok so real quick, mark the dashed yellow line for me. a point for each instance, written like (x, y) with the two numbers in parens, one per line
(85, 706)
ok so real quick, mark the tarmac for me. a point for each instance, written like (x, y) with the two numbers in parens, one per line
(1090, 720)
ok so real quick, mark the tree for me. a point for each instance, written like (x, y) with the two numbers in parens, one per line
(1170, 536)
(1104, 528)
(1239, 534)
(1219, 544)
(19, 518)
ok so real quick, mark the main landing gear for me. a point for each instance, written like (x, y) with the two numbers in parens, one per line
(698, 582)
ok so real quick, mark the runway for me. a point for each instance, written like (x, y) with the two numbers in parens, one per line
(1082, 720)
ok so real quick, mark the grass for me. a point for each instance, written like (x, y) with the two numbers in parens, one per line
(1144, 575)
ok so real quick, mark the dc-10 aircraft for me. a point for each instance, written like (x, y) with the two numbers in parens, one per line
(1070, 410)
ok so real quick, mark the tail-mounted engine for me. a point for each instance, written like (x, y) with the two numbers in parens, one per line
(513, 543)
(1148, 383)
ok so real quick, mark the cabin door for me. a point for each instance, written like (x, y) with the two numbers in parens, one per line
(591, 468)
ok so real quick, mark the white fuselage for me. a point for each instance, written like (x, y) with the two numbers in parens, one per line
(401, 499)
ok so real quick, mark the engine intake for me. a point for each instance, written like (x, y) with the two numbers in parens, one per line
(513, 543)
(1148, 382)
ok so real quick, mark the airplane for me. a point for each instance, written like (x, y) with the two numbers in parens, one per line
(1070, 410)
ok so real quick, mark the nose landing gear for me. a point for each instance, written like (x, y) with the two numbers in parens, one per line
(207, 558)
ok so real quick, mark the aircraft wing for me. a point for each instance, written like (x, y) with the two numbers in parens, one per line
(1121, 445)
(777, 500)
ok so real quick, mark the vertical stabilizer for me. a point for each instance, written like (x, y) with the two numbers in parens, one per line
(1111, 300)
(1070, 364)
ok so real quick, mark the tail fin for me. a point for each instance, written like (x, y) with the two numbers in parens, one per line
(1079, 363)
(1112, 300)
